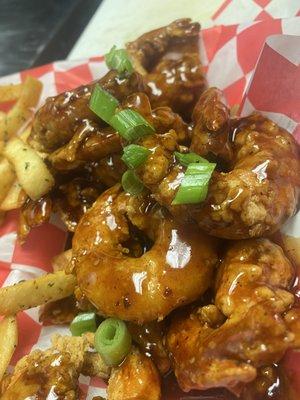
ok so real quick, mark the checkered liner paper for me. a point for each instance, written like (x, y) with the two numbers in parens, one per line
(230, 55)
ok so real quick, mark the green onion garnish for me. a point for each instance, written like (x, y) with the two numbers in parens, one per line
(135, 155)
(131, 183)
(188, 158)
(103, 104)
(194, 185)
(112, 341)
(119, 60)
(84, 322)
(131, 125)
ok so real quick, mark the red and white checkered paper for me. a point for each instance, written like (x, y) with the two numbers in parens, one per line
(230, 54)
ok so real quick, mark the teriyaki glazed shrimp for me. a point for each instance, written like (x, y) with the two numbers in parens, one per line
(147, 286)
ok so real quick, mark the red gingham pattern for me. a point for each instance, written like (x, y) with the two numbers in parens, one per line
(229, 54)
(237, 11)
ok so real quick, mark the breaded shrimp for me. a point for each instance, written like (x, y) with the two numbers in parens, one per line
(54, 373)
(253, 199)
(92, 143)
(135, 379)
(89, 143)
(175, 271)
(253, 293)
(169, 60)
(261, 191)
(61, 116)
(253, 271)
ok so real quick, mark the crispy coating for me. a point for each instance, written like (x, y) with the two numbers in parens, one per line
(253, 293)
(61, 116)
(175, 271)
(92, 364)
(43, 374)
(73, 198)
(253, 271)
(135, 379)
(54, 373)
(89, 143)
(168, 57)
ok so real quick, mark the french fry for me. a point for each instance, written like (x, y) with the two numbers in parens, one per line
(32, 173)
(8, 343)
(15, 198)
(7, 177)
(62, 260)
(22, 111)
(10, 92)
(35, 292)
(25, 134)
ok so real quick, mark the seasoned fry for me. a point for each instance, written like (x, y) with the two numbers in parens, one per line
(62, 260)
(31, 170)
(10, 92)
(35, 292)
(24, 107)
(15, 198)
(7, 178)
(8, 343)
(25, 134)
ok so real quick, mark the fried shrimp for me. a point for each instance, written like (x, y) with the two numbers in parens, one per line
(260, 191)
(173, 272)
(252, 291)
(89, 143)
(54, 373)
(169, 60)
(62, 116)
(251, 272)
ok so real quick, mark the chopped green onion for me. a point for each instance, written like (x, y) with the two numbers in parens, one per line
(119, 60)
(187, 158)
(112, 341)
(103, 103)
(135, 155)
(131, 125)
(131, 183)
(194, 186)
(84, 322)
